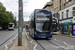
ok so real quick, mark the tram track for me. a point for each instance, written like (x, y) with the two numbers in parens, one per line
(40, 45)
(58, 44)
(8, 39)
(62, 47)
(37, 41)
(6, 36)
(55, 44)
(49, 42)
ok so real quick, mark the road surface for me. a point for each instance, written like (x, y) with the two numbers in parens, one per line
(58, 42)
(6, 36)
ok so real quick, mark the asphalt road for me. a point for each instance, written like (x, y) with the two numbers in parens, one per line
(6, 36)
(58, 42)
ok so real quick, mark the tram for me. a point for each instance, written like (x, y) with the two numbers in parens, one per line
(41, 23)
(11, 26)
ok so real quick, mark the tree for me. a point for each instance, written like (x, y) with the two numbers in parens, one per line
(4, 20)
(2, 8)
(5, 17)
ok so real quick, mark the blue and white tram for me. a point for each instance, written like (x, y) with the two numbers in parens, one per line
(11, 26)
(41, 23)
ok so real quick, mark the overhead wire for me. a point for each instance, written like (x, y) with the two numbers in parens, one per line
(34, 4)
(11, 8)
(10, 5)
(14, 3)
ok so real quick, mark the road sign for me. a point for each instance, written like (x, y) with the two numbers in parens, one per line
(20, 8)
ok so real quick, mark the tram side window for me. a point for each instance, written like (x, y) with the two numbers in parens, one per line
(32, 22)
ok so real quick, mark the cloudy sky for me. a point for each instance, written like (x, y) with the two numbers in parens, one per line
(28, 6)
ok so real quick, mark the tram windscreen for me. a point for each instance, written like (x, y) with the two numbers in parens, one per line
(10, 25)
(43, 21)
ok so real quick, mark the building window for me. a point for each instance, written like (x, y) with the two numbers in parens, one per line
(51, 0)
(58, 16)
(66, 0)
(60, 4)
(74, 1)
(73, 8)
(62, 15)
(67, 11)
(70, 0)
(73, 11)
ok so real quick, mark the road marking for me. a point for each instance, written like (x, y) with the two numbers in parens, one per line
(6, 47)
(16, 36)
(68, 45)
(32, 42)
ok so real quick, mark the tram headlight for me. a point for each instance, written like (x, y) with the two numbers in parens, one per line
(50, 32)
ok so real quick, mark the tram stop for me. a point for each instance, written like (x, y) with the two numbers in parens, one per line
(67, 29)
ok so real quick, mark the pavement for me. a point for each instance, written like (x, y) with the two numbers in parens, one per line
(25, 44)
(6, 36)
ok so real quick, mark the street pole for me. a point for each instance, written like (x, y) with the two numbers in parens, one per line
(22, 17)
(20, 23)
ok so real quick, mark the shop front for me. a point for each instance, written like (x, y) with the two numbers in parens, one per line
(66, 28)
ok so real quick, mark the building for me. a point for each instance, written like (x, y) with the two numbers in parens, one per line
(56, 6)
(48, 5)
(64, 10)
(66, 15)
(67, 12)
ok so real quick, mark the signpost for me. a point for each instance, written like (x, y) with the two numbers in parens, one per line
(20, 8)
(20, 23)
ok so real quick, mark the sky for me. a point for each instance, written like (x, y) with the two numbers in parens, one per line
(28, 7)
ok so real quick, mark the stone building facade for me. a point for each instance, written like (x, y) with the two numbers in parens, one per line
(64, 10)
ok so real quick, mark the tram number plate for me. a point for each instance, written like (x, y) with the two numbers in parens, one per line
(43, 37)
(43, 34)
